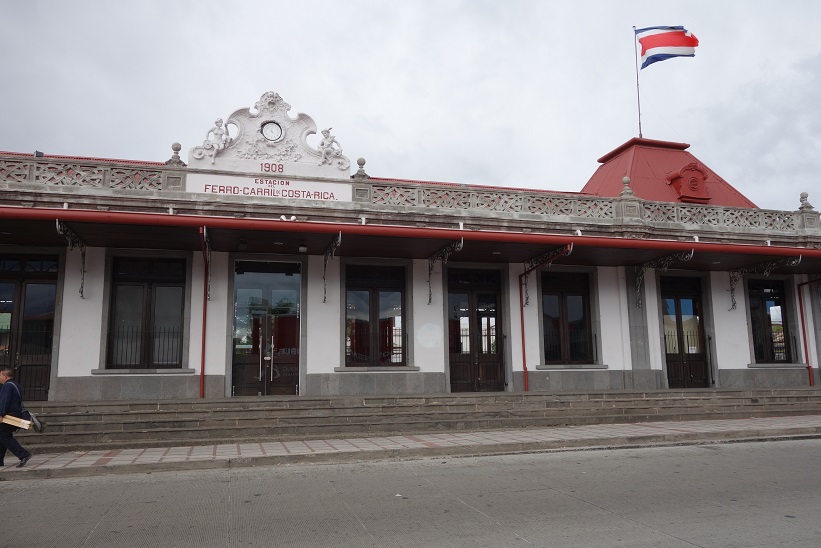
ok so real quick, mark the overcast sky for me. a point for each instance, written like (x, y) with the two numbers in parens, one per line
(514, 93)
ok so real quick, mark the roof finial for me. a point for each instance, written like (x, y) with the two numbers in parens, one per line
(360, 173)
(805, 205)
(626, 191)
(175, 158)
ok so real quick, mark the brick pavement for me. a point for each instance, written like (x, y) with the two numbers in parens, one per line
(429, 445)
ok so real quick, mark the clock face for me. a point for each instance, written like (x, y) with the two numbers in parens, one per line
(271, 131)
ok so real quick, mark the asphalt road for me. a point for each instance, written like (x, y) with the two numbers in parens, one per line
(717, 495)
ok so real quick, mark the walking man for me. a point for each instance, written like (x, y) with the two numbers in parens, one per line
(11, 403)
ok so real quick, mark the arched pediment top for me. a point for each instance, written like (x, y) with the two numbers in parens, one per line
(250, 138)
(690, 183)
(690, 169)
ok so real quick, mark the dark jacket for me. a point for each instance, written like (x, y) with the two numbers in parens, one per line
(11, 402)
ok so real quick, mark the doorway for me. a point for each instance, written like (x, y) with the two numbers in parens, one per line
(683, 320)
(266, 328)
(475, 337)
(28, 295)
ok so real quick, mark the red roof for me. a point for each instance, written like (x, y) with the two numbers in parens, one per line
(82, 158)
(662, 171)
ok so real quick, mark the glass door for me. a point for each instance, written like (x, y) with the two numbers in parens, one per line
(684, 333)
(28, 296)
(266, 338)
(474, 334)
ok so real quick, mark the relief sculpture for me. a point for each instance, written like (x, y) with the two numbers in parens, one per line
(216, 140)
(327, 150)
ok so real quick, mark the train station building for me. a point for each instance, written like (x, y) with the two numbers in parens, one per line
(264, 265)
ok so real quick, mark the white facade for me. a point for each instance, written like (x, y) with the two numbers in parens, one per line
(382, 286)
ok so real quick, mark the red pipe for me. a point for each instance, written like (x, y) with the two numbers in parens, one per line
(522, 329)
(162, 219)
(804, 327)
(567, 249)
(205, 269)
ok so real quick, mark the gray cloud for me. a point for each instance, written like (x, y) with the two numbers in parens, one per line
(521, 93)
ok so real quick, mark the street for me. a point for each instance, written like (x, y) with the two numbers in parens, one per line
(712, 495)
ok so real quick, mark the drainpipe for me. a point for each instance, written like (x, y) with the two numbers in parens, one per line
(205, 267)
(568, 248)
(522, 329)
(804, 327)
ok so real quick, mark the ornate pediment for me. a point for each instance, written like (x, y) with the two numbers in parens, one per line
(267, 139)
(690, 183)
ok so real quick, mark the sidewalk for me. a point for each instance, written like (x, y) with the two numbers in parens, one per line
(431, 445)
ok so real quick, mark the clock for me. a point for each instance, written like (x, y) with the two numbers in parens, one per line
(271, 131)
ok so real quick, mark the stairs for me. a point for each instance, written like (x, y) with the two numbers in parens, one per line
(166, 423)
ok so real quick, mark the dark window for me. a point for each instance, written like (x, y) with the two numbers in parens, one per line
(566, 318)
(147, 308)
(768, 317)
(374, 324)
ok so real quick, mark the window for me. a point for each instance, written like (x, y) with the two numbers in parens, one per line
(768, 318)
(566, 318)
(147, 309)
(374, 334)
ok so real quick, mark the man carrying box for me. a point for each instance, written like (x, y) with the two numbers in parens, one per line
(11, 403)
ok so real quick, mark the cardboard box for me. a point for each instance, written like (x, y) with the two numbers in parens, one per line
(14, 421)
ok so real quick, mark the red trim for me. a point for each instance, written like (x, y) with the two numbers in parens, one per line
(192, 221)
(567, 251)
(636, 141)
(463, 185)
(804, 327)
(522, 330)
(81, 159)
(205, 269)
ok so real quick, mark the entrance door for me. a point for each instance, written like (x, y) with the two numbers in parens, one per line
(28, 293)
(474, 331)
(266, 328)
(684, 333)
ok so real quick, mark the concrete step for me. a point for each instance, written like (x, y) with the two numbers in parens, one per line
(531, 407)
(124, 424)
(299, 402)
(241, 419)
(170, 437)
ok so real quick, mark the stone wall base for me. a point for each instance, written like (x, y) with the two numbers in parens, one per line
(371, 383)
(588, 381)
(135, 387)
(766, 377)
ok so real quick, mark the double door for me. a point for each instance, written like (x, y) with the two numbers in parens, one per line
(266, 328)
(474, 331)
(28, 294)
(683, 319)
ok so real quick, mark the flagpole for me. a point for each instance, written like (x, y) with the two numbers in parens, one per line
(636, 64)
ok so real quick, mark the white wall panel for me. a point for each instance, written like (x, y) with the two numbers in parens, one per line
(323, 343)
(732, 340)
(81, 325)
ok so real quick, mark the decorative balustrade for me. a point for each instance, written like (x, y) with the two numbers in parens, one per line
(106, 175)
(578, 206)
(719, 216)
(492, 200)
(80, 174)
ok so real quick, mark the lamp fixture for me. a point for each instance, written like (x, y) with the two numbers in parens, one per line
(303, 248)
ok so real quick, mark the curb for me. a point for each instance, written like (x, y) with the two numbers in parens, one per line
(464, 451)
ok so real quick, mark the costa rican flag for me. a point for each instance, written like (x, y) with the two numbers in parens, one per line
(660, 43)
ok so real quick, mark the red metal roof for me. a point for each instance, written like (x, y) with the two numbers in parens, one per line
(372, 179)
(648, 163)
(82, 158)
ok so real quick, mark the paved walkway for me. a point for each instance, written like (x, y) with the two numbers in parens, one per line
(446, 444)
